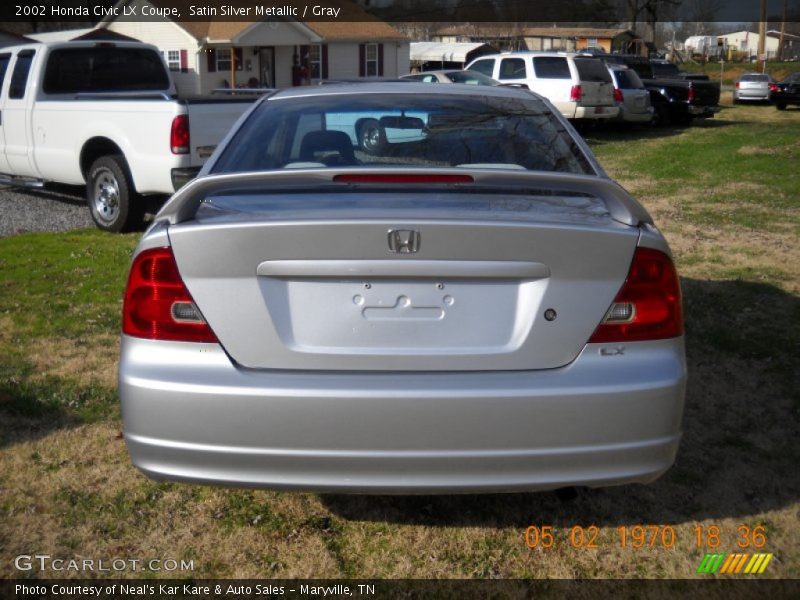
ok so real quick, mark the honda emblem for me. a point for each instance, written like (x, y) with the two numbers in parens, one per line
(404, 241)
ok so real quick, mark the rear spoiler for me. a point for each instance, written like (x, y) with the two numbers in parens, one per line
(621, 206)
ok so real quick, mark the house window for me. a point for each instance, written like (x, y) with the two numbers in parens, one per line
(315, 60)
(591, 42)
(223, 59)
(371, 60)
(173, 60)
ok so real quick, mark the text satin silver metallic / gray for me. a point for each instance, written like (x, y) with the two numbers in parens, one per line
(388, 288)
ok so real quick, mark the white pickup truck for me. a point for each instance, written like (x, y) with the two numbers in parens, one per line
(104, 114)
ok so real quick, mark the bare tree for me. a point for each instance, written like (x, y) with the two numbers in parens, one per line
(650, 12)
(703, 12)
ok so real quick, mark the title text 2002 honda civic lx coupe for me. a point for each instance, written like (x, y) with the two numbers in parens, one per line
(390, 287)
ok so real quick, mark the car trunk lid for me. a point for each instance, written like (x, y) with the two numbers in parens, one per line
(402, 280)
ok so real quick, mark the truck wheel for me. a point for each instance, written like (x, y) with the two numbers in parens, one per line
(780, 106)
(111, 197)
(371, 137)
(660, 116)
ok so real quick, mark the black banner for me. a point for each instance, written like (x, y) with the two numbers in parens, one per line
(710, 589)
(527, 12)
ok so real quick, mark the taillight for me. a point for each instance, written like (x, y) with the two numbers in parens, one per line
(157, 304)
(737, 85)
(179, 135)
(402, 178)
(575, 93)
(648, 307)
(773, 87)
(692, 94)
(618, 97)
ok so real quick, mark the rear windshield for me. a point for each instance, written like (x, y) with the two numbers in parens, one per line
(425, 78)
(470, 78)
(104, 69)
(665, 70)
(592, 69)
(628, 80)
(755, 78)
(551, 67)
(414, 130)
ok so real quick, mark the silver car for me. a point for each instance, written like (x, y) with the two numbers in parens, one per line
(475, 307)
(631, 96)
(753, 87)
(452, 76)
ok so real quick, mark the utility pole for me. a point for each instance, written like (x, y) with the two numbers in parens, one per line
(762, 37)
(783, 31)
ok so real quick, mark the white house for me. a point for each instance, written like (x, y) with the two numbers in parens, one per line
(747, 42)
(206, 55)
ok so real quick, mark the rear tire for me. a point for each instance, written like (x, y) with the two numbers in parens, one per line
(780, 106)
(660, 116)
(110, 195)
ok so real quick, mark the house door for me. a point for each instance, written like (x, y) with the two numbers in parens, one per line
(266, 71)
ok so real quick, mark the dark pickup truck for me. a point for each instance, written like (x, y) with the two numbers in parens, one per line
(786, 92)
(676, 96)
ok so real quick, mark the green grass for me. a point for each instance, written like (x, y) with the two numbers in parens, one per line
(69, 285)
(709, 156)
(56, 288)
(54, 396)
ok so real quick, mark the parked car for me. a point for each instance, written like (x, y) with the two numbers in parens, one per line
(105, 115)
(631, 96)
(676, 98)
(452, 76)
(753, 87)
(786, 92)
(479, 310)
(579, 86)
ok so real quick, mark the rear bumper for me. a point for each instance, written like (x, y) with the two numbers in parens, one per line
(182, 176)
(630, 116)
(703, 111)
(785, 99)
(595, 112)
(755, 95)
(190, 415)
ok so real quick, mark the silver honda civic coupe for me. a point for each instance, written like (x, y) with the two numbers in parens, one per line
(403, 288)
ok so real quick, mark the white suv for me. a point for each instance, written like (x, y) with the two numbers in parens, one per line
(577, 85)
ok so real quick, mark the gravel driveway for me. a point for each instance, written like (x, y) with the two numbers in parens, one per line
(54, 208)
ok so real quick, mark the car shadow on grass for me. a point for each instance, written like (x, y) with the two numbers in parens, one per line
(610, 133)
(738, 455)
(32, 408)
